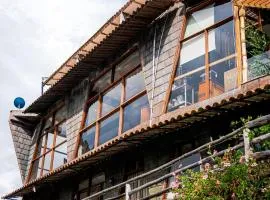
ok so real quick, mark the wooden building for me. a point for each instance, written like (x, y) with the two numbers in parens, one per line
(159, 79)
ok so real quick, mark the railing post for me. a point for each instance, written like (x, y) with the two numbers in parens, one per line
(127, 190)
(246, 132)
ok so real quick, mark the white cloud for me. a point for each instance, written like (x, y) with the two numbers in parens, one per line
(36, 38)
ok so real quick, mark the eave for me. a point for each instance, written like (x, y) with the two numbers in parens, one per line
(113, 36)
(265, 4)
(254, 91)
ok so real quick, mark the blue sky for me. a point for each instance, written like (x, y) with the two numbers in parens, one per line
(36, 38)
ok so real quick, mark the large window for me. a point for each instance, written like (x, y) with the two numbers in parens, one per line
(118, 108)
(207, 57)
(51, 147)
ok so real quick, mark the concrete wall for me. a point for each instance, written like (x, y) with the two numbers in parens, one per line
(168, 30)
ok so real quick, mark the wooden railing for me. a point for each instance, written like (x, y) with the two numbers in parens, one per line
(243, 142)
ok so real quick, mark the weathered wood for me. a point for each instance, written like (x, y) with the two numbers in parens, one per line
(258, 122)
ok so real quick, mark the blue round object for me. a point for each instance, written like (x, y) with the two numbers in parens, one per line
(19, 102)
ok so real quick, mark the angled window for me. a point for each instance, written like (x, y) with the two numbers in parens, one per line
(207, 57)
(118, 108)
(51, 147)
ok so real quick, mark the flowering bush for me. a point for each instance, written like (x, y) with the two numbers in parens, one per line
(227, 177)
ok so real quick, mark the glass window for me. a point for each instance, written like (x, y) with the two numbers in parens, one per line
(126, 65)
(60, 156)
(111, 99)
(223, 77)
(187, 90)
(134, 84)
(221, 42)
(60, 115)
(208, 16)
(109, 128)
(136, 113)
(61, 134)
(88, 140)
(47, 163)
(103, 82)
(191, 60)
(50, 140)
(91, 114)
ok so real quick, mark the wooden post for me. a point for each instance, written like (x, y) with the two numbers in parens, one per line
(128, 189)
(246, 143)
(242, 14)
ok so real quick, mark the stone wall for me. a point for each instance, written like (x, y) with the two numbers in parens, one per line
(22, 140)
(75, 103)
(168, 29)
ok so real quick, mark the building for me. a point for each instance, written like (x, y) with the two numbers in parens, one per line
(159, 79)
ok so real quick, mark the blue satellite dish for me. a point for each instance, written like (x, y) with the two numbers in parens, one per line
(19, 102)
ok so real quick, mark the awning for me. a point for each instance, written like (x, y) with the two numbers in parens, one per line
(113, 36)
(249, 93)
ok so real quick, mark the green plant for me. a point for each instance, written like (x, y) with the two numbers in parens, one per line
(257, 44)
(228, 177)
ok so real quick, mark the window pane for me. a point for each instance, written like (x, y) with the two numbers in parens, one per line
(60, 115)
(136, 113)
(191, 60)
(111, 99)
(48, 123)
(60, 156)
(41, 145)
(103, 82)
(221, 42)
(88, 140)
(187, 90)
(126, 65)
(61, 133)
(47, 163)
(109, 128)
(223, 77)
(50, 140)
(134, 83)
(208, 16)
(91, 114)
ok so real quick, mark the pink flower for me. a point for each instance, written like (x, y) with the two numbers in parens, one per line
(175, 185)
(242, 159)
(205, 176)
(233, 195)
(215, 152)
(207, 167)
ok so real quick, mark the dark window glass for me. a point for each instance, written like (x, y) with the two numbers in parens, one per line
(88, 140)
(134, 84)
(221, 42)
(223, 77)
(111, 99)
(109, 128)
(91, 114)
(60, 115)
(103, 82)
(136, 113)
(50, 140)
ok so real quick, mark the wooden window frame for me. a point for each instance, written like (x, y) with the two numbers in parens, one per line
(205, 32)
(45, 151)
(120, 108)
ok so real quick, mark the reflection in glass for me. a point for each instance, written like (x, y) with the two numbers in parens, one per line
(134, 84)
(103, 82)
(126, 65)
(109, 128)
(191, 60)
(49, 141)
(60, 115)
(208, 16)
(111, 99)
(60, 156)
(47, 163)
(136, 113)
(187, 90)
(221, 42)
(48, 123)
(61, 133)
(88, 140)
(223, 77)
(91, 114)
